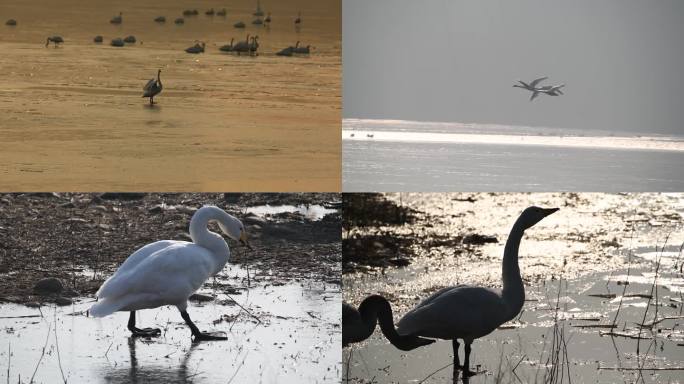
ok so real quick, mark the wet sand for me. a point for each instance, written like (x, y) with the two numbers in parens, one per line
(587, 243)
(74, 118)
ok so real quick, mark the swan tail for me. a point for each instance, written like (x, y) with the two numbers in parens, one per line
(105, 307)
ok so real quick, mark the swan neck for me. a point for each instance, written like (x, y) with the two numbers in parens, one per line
(202, 236)
(513, 290)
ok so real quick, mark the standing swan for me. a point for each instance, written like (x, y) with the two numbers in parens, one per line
(167, 272)
(54, 39)
(153, 87)
(467, 312)
(358, 325)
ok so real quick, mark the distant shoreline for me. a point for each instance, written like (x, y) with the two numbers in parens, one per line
(458, 133)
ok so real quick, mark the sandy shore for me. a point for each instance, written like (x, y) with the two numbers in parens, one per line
(74, 118)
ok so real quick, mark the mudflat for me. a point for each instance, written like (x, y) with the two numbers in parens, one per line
(73, 117)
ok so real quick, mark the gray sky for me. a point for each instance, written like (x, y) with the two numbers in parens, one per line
(455, 60)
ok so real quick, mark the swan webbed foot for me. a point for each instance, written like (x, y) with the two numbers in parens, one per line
(208, 336)
(146, 332)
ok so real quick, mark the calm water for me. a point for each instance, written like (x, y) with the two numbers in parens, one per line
(404, 166)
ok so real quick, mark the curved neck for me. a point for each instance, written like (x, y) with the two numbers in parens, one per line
(159, 77)
(513, 291)
(200, 234)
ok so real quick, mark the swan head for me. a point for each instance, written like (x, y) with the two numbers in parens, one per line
(533, 215)
(234, 229)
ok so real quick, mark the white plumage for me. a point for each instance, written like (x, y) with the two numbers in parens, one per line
(167, 272)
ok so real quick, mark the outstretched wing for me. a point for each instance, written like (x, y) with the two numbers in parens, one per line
(534, 95)
(534, 82)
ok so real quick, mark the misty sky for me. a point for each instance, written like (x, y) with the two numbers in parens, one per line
(454, 60)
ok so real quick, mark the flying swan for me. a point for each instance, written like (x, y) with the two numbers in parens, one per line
(167, 272)
(467, 312)
(358, 325)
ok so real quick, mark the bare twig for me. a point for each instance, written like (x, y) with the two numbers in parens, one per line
(59, 359)
(244, 309)
(41, 355)
(433, 373)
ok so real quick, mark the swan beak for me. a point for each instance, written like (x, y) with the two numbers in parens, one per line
(243, 240)
(550, 211)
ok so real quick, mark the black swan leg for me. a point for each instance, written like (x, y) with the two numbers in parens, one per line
(466, 366)
(201, 336)
(145, 332)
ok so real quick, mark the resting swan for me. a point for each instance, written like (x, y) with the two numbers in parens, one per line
(167, 272)
(468, 312)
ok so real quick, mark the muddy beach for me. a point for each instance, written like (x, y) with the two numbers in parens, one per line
(277, 303)
(74, 115)
(599, 250)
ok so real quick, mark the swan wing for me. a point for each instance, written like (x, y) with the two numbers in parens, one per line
(537, 81)
(172, 271)
(457, 312)
(149, 84)
(534, 95)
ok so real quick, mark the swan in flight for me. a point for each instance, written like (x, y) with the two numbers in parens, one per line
(153, 88)
(554, 90)
(468, 312)
(358, 325)
(167, 272)
(54, 39)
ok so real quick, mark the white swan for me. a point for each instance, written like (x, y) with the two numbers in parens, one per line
(167, 272)
(467, 312)
(358, 325)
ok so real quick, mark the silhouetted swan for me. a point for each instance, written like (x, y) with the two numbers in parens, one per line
(167, 272)
(258, 11)
(360, 325)
(554, 90)
(467, 312)
(190, 12)
(153, 88)
(254, 46)
(210, 12)
(227, 47)
(531, 86)
(54, 39)
(117, 19)
(267, 20)
(129, 39)
(118, 42)
(160, 19)
(286, 51)
(302, 50)
(298, 20)
(98, 39)
(239, 24)
(197, 48)
(242, 46)
(11, 22)
(179, 20)
(257, 21)
(221, 12)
